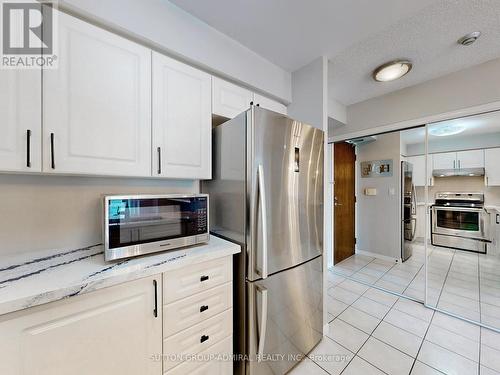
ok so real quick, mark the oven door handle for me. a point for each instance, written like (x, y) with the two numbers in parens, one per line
(461, 209)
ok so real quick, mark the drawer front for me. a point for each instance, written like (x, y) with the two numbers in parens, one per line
(216, 360)
(194, 309)
(197, 278)
(196, 339)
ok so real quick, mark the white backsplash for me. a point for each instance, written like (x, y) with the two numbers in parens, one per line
(53, 212)
(461, 184)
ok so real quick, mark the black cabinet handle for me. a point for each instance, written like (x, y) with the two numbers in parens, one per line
(498, 218)
(52, 152)
(159, 159)
(204, 338)
(155, 311)
(203, 278)
(203, 308)
(28, 148)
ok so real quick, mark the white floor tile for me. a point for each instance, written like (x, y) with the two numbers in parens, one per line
(371, 307)
(354, 286)
(344, 295)
(407, 322)
(490, 338)
(490, 358)
(385, 357)
(398, 338)
(346, 335)
(359, 366)
(446, 361)
(359, 319)
(331, 356)
(381, 296)
(334, 306)
(453, 342)
(459, 326)
(420, 368)
(307, 367)
(414, 309)
(487, 371)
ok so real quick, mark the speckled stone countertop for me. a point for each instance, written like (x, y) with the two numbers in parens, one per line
(32, 279)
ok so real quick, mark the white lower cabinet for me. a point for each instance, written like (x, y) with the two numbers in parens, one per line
(198, 328)
(110, 331)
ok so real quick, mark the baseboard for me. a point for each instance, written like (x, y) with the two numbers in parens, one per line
(378, 256)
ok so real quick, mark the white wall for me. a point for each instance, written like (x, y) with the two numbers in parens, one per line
(337, 110)
(379, 217)
(51, 212)
(467, 88)
(170, 29)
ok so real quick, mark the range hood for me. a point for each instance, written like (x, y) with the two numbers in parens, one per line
(467, 172)
(362, 140)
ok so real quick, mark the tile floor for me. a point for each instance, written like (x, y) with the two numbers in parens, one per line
(375, 332)
(464, 283)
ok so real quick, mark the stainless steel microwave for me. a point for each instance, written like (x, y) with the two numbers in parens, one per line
(142, 224)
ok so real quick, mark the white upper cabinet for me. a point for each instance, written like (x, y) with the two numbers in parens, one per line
(492, 166)
(419, 175)
(270, 104)
(182, 120)
(459, 160)
(446, 160)
(470, 159)
(229, 100)
(20, 121)
(97, 104)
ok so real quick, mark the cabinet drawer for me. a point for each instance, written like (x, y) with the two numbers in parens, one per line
(196, 339)
(221, 365)
(197, 278)
(194, 309)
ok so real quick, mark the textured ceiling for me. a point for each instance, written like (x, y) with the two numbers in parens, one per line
(292, 33)
(428, 38)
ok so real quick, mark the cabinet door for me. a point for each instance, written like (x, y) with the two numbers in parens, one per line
(182, 120)
(229, 100)
(110, 331)
(21, 120)
(470, 159)
(270, 104)
(97, 104)
(492, 166)
(418, 163)
(446, 160)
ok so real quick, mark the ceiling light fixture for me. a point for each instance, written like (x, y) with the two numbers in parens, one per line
(470, 38)
(446, 130)
(392, 70)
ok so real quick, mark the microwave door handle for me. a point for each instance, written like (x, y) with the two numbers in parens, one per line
(263, 324)
(263, 210)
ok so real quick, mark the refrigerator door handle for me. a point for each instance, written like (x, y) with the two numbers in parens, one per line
(263, 324)
(262, 196)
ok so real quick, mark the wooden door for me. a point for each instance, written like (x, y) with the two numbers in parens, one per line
(344, 201)
(182, 120)
(97, 104)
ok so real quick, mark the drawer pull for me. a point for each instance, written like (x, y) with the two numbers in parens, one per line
(204, 338)
(204, 278)
(203, 308)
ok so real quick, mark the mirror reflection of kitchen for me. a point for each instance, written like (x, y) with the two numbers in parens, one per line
(379, 239)
(464, 199)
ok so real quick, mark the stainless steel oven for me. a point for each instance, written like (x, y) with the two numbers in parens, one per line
(460, 221)
(142, 224)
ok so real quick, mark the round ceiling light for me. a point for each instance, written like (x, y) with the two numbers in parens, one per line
(392, 70)
(470, 38)
(446, 130)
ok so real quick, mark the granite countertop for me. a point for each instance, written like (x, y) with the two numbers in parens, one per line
(32, 279)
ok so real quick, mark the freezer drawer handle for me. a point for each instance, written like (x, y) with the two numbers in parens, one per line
(203, 308)
(204, 278)
(204, 338)
(263, 210)
(263, 324)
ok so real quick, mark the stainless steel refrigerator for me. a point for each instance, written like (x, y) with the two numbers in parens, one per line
(267, 195)
(408, 210)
